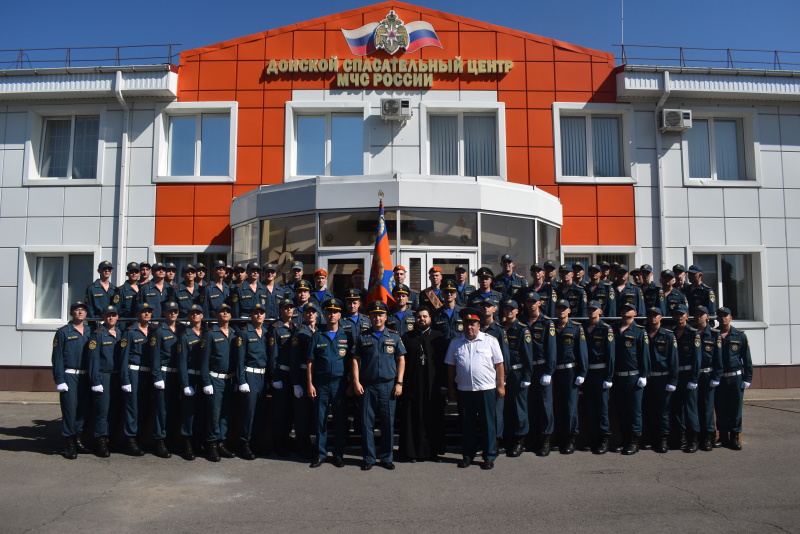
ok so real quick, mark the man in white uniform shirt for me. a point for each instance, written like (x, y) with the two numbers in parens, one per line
(475, 377)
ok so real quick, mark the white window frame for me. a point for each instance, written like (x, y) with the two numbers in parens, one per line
(295, 109)
(760, 289)
(196, 109)
(37, 116)
(497, 109)
(752, 148)
(26, 301)
(627, 133)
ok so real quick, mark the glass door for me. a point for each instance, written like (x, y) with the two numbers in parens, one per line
(340, 267)
(418, 264)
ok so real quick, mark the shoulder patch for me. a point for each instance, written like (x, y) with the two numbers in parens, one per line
(697, 342)
(235, 298)
(295, 342)
(612, 295)
(552, 330)
(203, 343)
(92, 345)
(55, 342)
(610, 335)
(123, 343)
(271, 341)
(239, 341)
(153, 342)
(527, 336)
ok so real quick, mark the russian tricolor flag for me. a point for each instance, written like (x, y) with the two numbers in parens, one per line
(380, 275)
(361, 40)
(421, 34)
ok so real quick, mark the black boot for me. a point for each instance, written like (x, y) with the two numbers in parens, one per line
(132, 447)
(223, 450)
(500, 447)
(102, 447)
(733, 443)
(645, 445)
(602, 445)
(282, 446)
(245, 452)
(70, 451)
(188, 450)
(632, 447)
(544, 448)
(619, 447)
(661, 445)
(79, 446)
(706, 442)
(516, 449)
(682, 441)
(569, 445)
(722, 440)
(212, 451)
(161, 449)
(691, 442)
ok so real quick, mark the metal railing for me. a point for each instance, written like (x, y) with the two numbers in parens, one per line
(83, 56)
(731, 58)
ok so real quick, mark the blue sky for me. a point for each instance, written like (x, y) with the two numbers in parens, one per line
(736, 24)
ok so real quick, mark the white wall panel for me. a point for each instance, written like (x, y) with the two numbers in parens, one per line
(646, 201)
(755, 339)
(44, 230)
(443, 96)
(108, 232)
(791, 169)
(792, 200)
(778, 306)
(12, 231)
(38, 348)
(380, 160)
(141, 166)
(676, 201)
(380, 132)
(9, 260)
(707, 231)
(777, 345)
(142, 128)
(108, 202)
(12, 346)
(45, 201)
(773, 232)
(705, 202)
(771, 202)
(741, 231)
(741, 202)
(645, 129)
(672, 168)
(406, 134)
(12, 167)
(82, 201)
(793, 232)
(2, 128)
(142, 201)
(112, 133)
(646, 232)
(8, 312)
(770, 133)
(16, 130)
(14, 202)
(771, 169)
(777, 272)
(406, 159)
(646, 167)
(141, 231)
(81, 230)
(790, 132)
(677, 233)
(794, 259)
(111, 162)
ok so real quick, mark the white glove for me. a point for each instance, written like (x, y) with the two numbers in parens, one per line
(278, 384)
(524, 384)
(745, 385)
(714, 383)
(691, 385)
(545, 380)
(607, 385)
(98, 389)
(298, 392)
(159, 384)
(670, 388)
(127, 388)
(62, 388)
(208, 390)
(642, 382)
(244, 388)
(188, 391)
(578, 380)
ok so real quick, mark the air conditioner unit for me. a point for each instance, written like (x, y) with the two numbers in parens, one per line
(395, 109)
(675, 120)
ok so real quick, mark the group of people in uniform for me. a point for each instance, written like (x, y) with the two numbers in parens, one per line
(514, 355)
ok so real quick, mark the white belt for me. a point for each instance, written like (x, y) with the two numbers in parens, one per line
(303, 366)
(212, 374)
(659, 373)
(75, 371)
(256, 370)
(598, 366)
(706, 370)
(166, 369)
(517, 366)
(193, 371)
(539, 362)
(685, 368)
(133, 367)
(566, 366)
(733, 373)
(284, 368)
(627, 373)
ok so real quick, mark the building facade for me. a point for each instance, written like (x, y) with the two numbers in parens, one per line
(481, 140)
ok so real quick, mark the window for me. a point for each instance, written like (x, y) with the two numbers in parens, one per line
(331, 144)
(58, 281)
(464, 144)
(196, 142)
(731, 278)
(181, 259)
(592, 143)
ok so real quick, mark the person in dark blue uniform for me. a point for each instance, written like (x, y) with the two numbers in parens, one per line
(302, 296)
(187, 292)
(69, 374)
(217, 291)
(253, 361)
(518, 379)
(710, 373)
(662, 381)
(579, 274)
(399, 278)
(134, 371)
(189, 355)
(571, 369)
(275, 293)
(626, 292)
(571, 292)
(446, 319)
(602, 292)
(164, 344)
(545, 290)
(169, 276)
(673, 297)
(100, 293)
(280, 357)
(653, 295)
(126, 295)
(328, 354)
(698, 294)
(600, 377)
(145, 268)
(737, 374)
(489, 307)
(540, 399)
(431, 295)
(104, 379)
(465, 289)
(508, 283)
(401, 319)
(321, 293)
(216, 371)
(250, 294)
(304, 416)
(377, 370)
(631, 369)
(684, 419)
(352, 319)
(202, 272)
(156, 291)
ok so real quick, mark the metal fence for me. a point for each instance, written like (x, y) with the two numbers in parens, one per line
(88, 56)
(731, 58)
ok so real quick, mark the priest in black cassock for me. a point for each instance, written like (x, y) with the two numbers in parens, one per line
(424, 391)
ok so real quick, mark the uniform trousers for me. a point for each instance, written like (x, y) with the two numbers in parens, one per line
(515, 412)
(106, 404)
(656, 405)
(192, 411)
(167, 403)
(478, 408)
(136, 401)
(628, 398)
(684, 406)
(540, 406)
(253, 405)
(74, 403)
(218, 406)
(378, 400)
(597, 402)
(565, 402)
(282, 406)
(331, 392)
(705, 403)
(729, 404)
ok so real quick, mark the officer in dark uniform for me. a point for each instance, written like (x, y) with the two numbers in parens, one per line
(144, 272)
(605, 271)
(545, 290)
(275, 293)
(156, 291)
(600, 377)
(164, 343)
(321, 293)
(431, 295)
(571, 292)
(100, 293)
(328, 353)
(352, 320)
(485, 283)
(252, 363)
(698, 294)
(601, 291)
(401, 319)
(737, 373)
(217, 371)
(302, 298)
(296, 271)
(710, 373)
(653, 295)
(126, 295)
(280, 354)
(662, 381)
(465, 289)
(171, 271)
(104, 379)
(69, 374)
(571, 368)
(518, 379)
(680, 277)
(304, 416)
(399, 273)
(251, 293)
(673, 297)
(134, 371)
(489, 325)
(684, 417)
(550, 274)
(187, 292)
(189, 356)
(579, 274)
(216, 291)
(377, 369)
(202, 272)
(627, 293)
(508, 283)
(631, 369)
(446, 319)
(544, 348)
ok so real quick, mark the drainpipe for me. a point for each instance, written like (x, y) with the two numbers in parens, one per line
(662, 231)
(124, 177)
